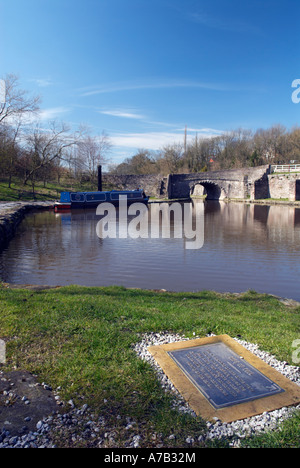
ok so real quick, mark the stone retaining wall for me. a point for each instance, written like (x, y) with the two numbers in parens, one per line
(154, 185)
(11, 215)
(284, 186)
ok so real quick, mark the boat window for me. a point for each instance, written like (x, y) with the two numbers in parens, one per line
(77, 197)
(96, 197)
(130, 195)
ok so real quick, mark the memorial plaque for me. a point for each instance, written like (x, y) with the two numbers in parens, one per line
(220, 378)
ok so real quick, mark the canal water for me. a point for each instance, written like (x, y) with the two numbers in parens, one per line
(245, 246)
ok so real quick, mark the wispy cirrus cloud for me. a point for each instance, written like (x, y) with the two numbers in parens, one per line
(42, 82)
(210, 132)
(46, 115)
(123, 113)
(157, 140)
(53, 113)
(155, 84)
(149, 140)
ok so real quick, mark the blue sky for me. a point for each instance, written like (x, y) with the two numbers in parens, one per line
(142, 70)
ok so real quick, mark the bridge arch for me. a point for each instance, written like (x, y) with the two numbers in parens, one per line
(212, 189)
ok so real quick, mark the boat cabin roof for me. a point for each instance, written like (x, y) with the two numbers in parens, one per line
(100, 196)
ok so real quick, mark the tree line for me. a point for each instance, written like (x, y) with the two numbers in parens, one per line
(230, 150)
(32, 152)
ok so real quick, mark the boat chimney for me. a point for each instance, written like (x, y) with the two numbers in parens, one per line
(99, 178)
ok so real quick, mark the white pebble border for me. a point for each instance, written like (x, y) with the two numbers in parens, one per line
(238, 429)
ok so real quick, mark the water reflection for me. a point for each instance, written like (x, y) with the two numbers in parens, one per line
(245, 247)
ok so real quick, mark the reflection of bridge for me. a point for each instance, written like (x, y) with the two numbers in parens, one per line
(251, 223)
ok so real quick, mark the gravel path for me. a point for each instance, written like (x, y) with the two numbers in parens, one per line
(79, 425)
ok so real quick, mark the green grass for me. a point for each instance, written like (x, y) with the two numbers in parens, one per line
(276, 199)
(52, 191)
(81, 339)
(286, 436)
(18, 191)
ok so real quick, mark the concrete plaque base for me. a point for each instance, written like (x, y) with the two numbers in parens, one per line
(220, 378)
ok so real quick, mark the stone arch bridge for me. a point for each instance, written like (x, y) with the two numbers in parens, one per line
(219, 185)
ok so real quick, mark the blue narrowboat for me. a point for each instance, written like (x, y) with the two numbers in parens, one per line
(70, 200)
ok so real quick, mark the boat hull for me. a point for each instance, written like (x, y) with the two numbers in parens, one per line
(62, 207)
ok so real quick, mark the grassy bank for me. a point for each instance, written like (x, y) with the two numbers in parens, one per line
(81, 339)
(51, 191)
(18, 191)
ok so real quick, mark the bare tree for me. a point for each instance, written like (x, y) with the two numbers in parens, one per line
(90, 153)
(295, 143)
(143, 162)
(198, 155)
(18, 104)
(47, 147)
(173, 156)
(270, 144)
(9, 149)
